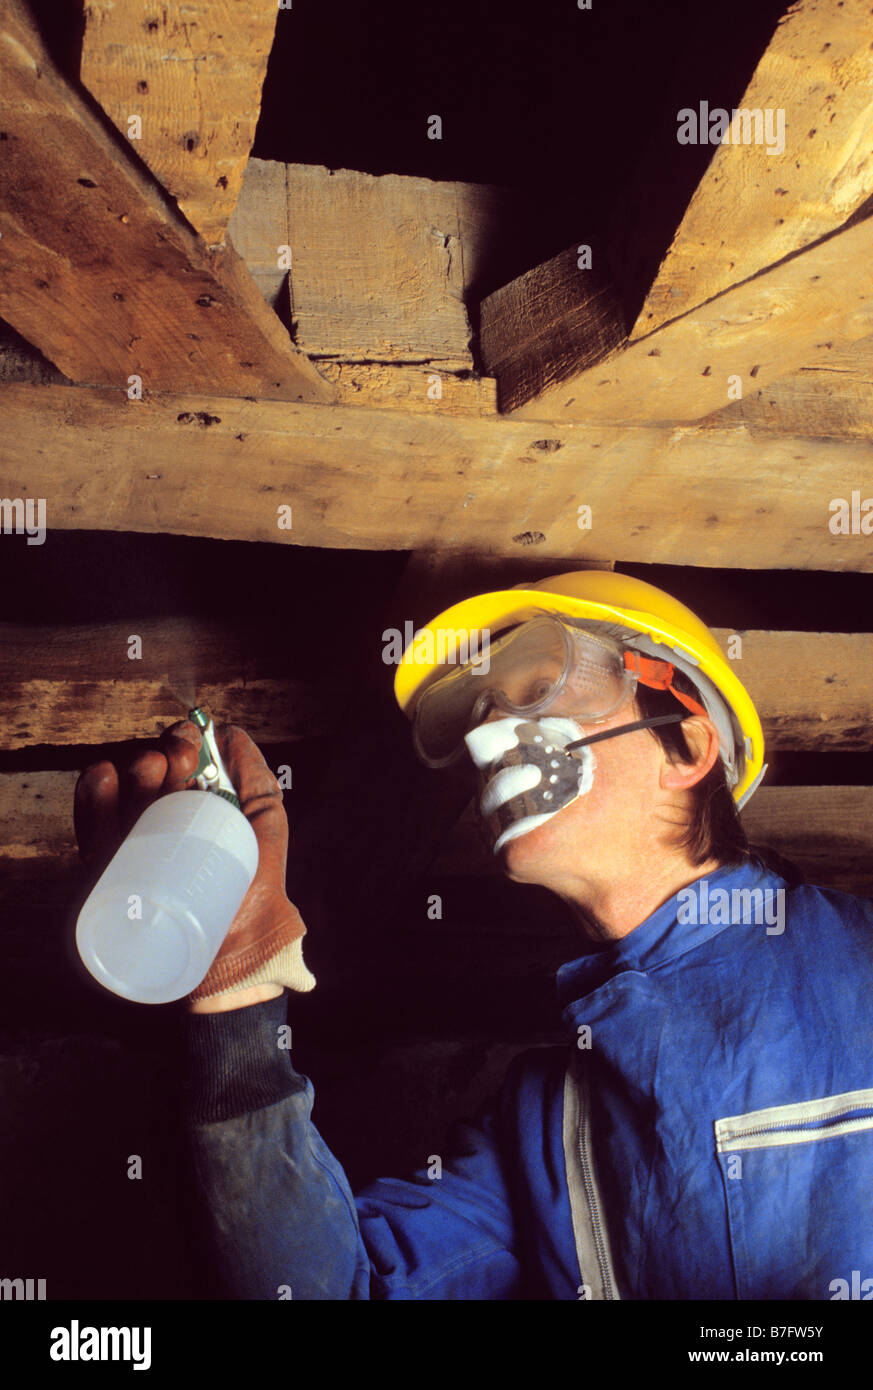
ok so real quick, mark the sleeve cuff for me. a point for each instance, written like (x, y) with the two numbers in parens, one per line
(234, 1062)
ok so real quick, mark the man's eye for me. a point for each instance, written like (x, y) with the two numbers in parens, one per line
(538, 691)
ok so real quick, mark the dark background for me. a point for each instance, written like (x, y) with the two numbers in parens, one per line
(413, 1021)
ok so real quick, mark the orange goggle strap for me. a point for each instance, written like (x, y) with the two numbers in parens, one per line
(658, 675)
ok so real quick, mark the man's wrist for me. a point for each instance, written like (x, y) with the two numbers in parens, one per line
(235, 999)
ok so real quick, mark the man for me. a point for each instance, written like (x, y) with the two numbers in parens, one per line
(708, 1130)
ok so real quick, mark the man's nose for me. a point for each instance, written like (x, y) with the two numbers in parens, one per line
(493, 712)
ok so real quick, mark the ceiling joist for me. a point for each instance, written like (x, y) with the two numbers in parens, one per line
(826, 831)
(152, 671)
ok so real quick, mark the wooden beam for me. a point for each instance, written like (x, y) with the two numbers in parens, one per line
(383, 269)
(829, 395)
(754, 333)
(96, 684)
(79, 685)
(386, 480)
(826, 831)
(191, 72)
(794, 170)
(258, 226)
(36, 822)
(105, 277)
(411, 389)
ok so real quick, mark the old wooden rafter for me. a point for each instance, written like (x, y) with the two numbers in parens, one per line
(100, 271)
(792, 171)
(732, 300)
(190, 72)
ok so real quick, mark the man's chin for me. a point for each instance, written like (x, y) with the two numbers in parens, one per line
(524, 857)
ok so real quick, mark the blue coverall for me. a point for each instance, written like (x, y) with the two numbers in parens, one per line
(707, 1131)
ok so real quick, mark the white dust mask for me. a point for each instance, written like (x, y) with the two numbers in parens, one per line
(530, 776)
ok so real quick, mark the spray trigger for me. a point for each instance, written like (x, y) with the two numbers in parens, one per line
(210, 774)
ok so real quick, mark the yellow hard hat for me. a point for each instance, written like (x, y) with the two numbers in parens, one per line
(635, 612)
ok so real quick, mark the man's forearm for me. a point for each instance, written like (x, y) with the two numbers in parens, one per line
(281, 1216)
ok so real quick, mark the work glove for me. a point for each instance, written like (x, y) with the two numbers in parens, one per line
(264, 943)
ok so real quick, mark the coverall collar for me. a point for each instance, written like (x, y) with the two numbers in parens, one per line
(662, 936)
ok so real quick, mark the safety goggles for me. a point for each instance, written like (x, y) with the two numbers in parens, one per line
(541, 667)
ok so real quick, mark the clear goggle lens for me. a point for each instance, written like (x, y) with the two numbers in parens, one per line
(543, 666)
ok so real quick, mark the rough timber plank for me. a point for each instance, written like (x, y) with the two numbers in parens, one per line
(379, 241)
(192, 70)
(376, 298)
(758, 331)
(552, 322)
(826, 831)
(756, 204)
(79, 684)
(101, 273)
(36, 822)
(385, 480)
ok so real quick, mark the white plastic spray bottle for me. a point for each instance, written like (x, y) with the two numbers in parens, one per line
(155, 919)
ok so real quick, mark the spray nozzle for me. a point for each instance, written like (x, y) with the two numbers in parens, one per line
(210, 773)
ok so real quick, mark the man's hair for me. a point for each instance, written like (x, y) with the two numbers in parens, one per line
(715, 830)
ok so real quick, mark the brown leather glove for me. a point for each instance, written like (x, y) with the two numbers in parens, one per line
(264, 943)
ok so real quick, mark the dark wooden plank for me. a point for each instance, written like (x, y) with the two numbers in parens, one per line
(826, 831)
(79, 685)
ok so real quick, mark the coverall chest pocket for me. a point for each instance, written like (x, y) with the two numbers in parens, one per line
(798, 1183)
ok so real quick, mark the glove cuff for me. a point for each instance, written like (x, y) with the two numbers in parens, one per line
(285, 967)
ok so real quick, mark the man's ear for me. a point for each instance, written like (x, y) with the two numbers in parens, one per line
(702, 739)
